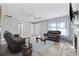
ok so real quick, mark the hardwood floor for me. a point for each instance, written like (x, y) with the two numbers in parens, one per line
(57, 49)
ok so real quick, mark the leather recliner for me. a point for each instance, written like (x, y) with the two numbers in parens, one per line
(14, 42)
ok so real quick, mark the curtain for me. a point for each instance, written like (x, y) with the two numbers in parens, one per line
(20, 29)
(60, 24)
(44, 27)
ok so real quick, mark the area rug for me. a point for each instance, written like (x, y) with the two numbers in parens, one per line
(40, 46)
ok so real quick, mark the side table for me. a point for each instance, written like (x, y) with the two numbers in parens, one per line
(27, 50)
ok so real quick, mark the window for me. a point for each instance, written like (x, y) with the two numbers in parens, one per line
(20, 29)
(52, 26)
(59, 25)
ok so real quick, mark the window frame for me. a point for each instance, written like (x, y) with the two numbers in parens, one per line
(58, 26)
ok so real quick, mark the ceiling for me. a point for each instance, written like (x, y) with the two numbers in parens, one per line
(34, 12)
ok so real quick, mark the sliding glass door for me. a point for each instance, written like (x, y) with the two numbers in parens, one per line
(60, 25)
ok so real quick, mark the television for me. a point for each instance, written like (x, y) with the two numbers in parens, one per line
(71, 13)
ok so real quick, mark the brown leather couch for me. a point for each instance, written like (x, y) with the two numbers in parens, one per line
(53, 35)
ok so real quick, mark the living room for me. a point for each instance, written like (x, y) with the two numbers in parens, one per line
(47, 27)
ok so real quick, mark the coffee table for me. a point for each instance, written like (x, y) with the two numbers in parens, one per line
(42, 39)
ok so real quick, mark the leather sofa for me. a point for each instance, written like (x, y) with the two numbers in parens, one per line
(53, 35)
(14, 42)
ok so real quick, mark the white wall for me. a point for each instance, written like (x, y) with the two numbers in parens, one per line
(70, 38)
(11, 24)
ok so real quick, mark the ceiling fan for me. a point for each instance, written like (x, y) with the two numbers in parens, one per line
(72, 13)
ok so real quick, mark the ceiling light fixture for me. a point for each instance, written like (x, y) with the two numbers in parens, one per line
(37, 17)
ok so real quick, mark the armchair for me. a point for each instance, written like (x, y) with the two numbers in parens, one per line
(14, 42)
